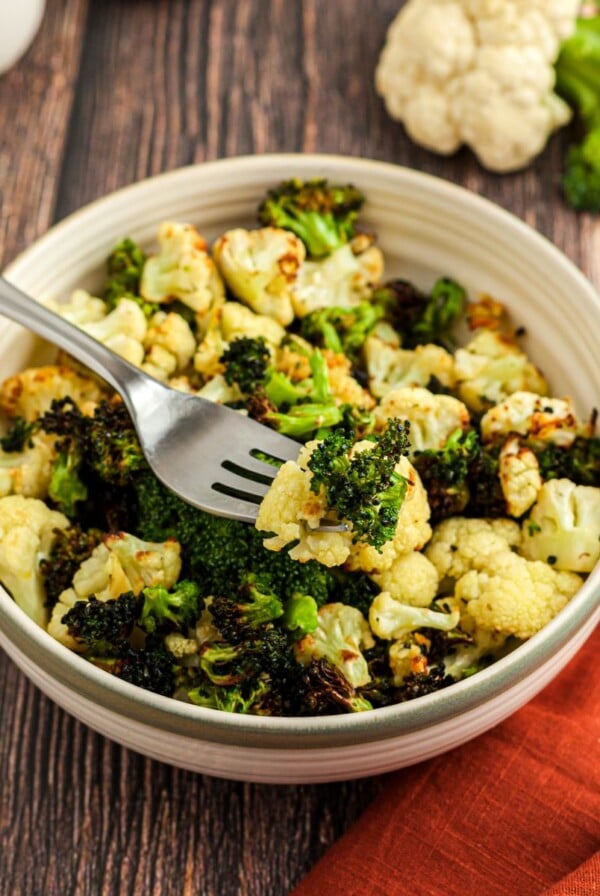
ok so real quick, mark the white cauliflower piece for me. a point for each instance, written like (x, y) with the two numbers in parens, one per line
(477, 73)
(341, 633)
(535, 416)
(28, 472)
(520, 476)
(172, 333)
(30, 393)
(459, 544)
(407, 657)
(341, 280)
(211, 347)
(238, 320)
(563, 527)
(183, 269)
(412, 530)
(180, 646)
(411, 579)
(344, 388)
(433, 418)
(121, 563)
(514, 596)
(123, 330)
(390, 367)
(82, 308)
(492, 367)
(390, 619)
(260, 267)
(218, 390)
(27, 532)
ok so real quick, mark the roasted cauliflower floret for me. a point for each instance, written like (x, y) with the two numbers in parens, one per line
(238, 320)
(28, 530)
(390, 367)
(120, 564)
(260, 268)
(341, 280)
(535, 416)
(411, 579)
(520, 476)
(491, 367)
(344, 388)
(31, 392)
(513, 595)
(182, 269)
(341, 633)
(433, 418)
(459, 544)
(563, 528)
(28, 472)
(171, 333)
(390, 619)
(123, 330)
(82, 308)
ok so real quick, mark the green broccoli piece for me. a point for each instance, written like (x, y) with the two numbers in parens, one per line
(301, 615)
(124, 268)
(321, 214)
(178, 608)
(151, 667)
(342, 330)
(245, 698)
(255, 605)
(246, 361)
(422, 318)
(19, 435)
(66, 488)
(325, 690)
(418, 684)
(445, 473)
(486, 498)
(579, 462)
(578, 81)
(103, 626)
(366, 490)
(71, 547)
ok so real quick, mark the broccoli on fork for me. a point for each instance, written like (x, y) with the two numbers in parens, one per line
(321, 214)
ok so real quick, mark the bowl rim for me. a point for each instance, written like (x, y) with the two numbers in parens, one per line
(381, 722)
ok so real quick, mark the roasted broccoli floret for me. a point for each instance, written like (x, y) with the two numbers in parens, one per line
(151, 667)
(578, 81)
(19, 435)
(124, 268)
(341, 329)
(323, 215)
(103, 627)
(243, 698)
(579, 462)
(246, 361)
(486, 498)
(445, 473)
(364, 489)
(66, 488)
(419, 684)
(254, 605)
(300, 615)
(175, 608)
(71, 547)
(325, 690)
(419, 317)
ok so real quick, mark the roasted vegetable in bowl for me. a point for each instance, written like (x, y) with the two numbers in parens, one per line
(470, 497)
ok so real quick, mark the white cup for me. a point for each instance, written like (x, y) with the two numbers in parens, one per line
(19, 22)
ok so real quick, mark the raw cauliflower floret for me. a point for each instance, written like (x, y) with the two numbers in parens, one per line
(260, 268)
(121, 563)
(291, 511)
(520, 476)
(341, 633)
(491, 367)
(479, 73)
(82, 308)
(459, 544)
(390, 367)
(123, 331)
(563, 527)
(28, 472)
(390, 619)
(412, 530)
(183, 269)
(535, 416)
(411, 579)
(31, 392)
(433, 418)
(341, 280)
(28, 529)
(513, 595)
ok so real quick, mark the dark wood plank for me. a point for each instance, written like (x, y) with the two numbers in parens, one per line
(162, 84)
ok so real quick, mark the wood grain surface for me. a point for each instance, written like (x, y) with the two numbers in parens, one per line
(110, 92)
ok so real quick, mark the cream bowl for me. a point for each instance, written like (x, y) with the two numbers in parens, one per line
(426, 227)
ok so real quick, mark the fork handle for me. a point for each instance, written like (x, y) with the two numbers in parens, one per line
(22, 309)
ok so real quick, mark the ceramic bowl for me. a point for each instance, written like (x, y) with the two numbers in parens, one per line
(426, 227)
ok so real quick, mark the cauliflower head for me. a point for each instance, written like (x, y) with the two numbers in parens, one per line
(169, 334)
(182, 269)
(123, 330)
(27, 532)
(491, 367)
(260, 267)
(30, 393)
(390, 367)
(512, 595)
(411, 579)
(390, 619)
(341, 280)
(341, 633)
(459, 544)
(534, 416)
(433, 418)
(563, 527)
(121, 563)
(465, 72)
(82, 308)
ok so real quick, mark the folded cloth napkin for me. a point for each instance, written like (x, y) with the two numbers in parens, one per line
(515, 812)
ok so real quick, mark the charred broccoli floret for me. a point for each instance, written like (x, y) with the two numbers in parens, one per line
(579, 462)
(246, 361)
(164, 609)
(19, 435)
(255, 605)
(445, 474)
(104, 627)
(71, 547)
(321, 214)
(419, 317)
(151, 667)
(364, 489)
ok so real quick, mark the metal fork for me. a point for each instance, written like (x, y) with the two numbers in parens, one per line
(207, 454)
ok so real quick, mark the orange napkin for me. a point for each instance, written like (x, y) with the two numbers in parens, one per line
(515, 812)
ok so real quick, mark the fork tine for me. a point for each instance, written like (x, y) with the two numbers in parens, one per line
(253, 465)
(247, 489)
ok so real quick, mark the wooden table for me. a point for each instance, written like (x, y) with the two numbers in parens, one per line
(112, 92)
